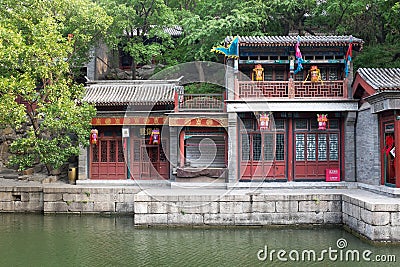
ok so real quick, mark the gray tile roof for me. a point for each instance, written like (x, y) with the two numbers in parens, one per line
(133, 92)
(329, 40)
(381, 78)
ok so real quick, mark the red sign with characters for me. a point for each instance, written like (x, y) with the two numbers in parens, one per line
(332, 175)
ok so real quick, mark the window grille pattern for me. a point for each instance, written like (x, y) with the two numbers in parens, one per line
(103, 147)
(245, 147)
(322, 147)
(95, 151)
(334, 147)
(257, 147)
(300, 147)
(280, 147)
(311, 145)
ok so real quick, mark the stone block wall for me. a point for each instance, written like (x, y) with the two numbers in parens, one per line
(21, 199)
(251, 209)
(81, 200)
(375, 221)
(368, 169)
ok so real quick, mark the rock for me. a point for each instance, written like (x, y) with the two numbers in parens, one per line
(147, 67)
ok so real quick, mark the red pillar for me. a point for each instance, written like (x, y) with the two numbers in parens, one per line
(182, 148)
(397, 150)
(290, 148)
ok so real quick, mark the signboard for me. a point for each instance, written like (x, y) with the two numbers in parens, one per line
(332, 175)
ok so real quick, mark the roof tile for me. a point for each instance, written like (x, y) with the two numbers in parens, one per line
(381, 78)
(112, 93)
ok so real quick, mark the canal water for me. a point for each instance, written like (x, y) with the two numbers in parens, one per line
(37, 240)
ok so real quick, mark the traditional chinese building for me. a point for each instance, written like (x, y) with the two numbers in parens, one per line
(300, 87)
(287, 114)
(378, 125)
(132, 135)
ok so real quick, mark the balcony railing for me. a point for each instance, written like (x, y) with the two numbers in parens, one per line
(281, 89)
(201, 102)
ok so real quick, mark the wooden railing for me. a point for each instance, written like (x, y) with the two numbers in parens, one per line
(280, 89)
(201, 102)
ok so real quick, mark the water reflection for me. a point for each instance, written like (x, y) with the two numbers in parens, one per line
(35, 240)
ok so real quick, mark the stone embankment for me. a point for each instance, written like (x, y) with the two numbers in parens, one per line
(374, 216)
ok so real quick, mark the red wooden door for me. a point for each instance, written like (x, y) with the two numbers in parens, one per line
(314, 151)
(263, 156)
(107, 159)
(148, 162)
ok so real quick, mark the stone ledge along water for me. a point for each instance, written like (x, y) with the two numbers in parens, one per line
(374, 216)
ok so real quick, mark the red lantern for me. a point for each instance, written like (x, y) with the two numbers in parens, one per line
(155, 137)
(264, 121)
(322, 119)
(315, 74)
(94, 135)
(70, 36)
(258, 73)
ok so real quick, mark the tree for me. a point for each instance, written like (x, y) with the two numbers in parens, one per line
(39, 42)
(139, 28)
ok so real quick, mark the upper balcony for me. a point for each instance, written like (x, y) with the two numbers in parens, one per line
(200, 102)
(295, 89)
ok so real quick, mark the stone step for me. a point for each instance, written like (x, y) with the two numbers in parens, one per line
(8, 173)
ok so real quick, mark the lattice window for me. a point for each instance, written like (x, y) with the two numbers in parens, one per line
(113, 150)
(95, 153)
(334, 147)
(280, 124)
(322, 147)
(268, 74)
(300, 147)
(311, 145)
(333, 76)
(245, 147)
(163, 158)
(269, 146)
(279, 74)
(103, 151)
(333, 124)
(136, 150)
(257, 147)
(249, 124)
(280, 147)
(120, 152)
(301, 124)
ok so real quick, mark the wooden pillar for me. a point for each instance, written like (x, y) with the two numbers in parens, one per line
(182, 148)
(397, 150)
(290, 148)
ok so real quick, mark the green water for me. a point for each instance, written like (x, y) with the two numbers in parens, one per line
(36, 240)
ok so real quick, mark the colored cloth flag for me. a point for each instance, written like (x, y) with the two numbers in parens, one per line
(299, 57)
(347, 62)
(231, 51)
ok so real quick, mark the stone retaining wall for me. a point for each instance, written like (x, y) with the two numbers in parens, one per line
(21, 199)
(252, 209)
(374, 216)
(375, 221)
(89, 200)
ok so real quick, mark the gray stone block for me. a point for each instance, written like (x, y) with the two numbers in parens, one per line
(124, 207)
(395, 218)
(375, 218)
(55, 207)
(332, 217)
(150, 219)
(219, 219)
(185, 219)
(268, 206)
(314, 205)
(141, 207)
(287, 206)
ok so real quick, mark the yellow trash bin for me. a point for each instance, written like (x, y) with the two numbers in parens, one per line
(72, 175)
